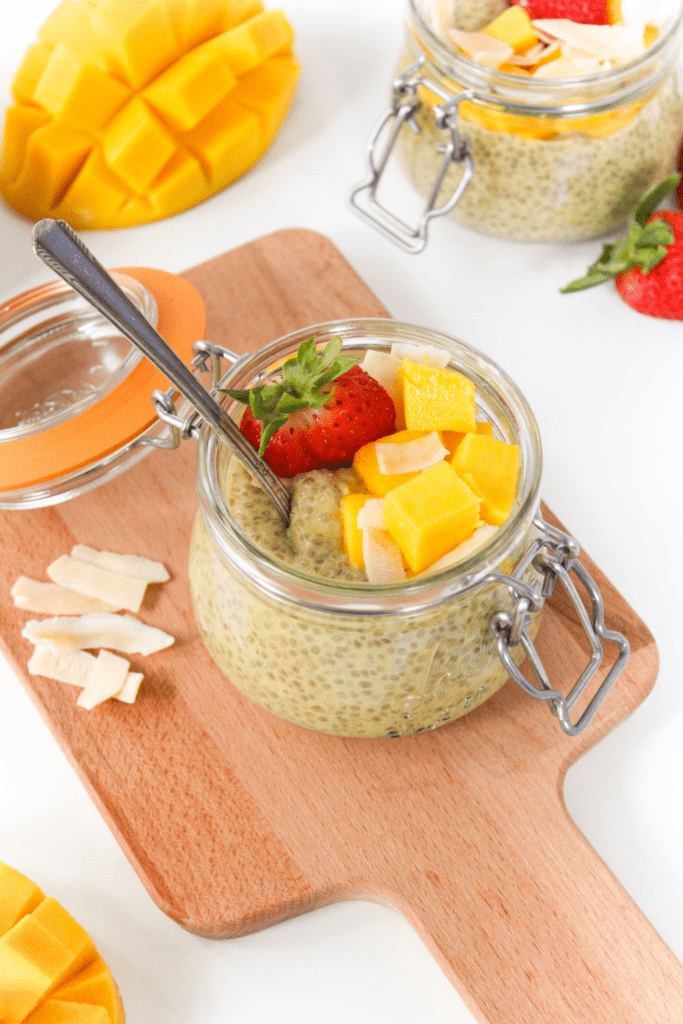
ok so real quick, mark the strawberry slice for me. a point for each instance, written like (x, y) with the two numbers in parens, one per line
(647, 264)
(318, 415)
(584, 12)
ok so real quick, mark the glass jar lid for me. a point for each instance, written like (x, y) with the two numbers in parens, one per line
(74, 393)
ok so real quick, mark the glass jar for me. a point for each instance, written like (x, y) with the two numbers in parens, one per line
(361, 660)
(523, 158)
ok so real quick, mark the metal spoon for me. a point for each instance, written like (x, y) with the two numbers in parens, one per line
(58, 246)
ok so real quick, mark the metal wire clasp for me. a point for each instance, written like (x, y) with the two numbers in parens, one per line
(554, 555)
(405, 104)
(208, 358)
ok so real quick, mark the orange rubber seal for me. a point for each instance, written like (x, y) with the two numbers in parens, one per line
(126, 411)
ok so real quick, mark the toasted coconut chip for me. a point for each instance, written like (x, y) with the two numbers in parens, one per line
(134, 566)
(384, 368)
(481, 47)
(99, 629)
(412, 456)
(107, 678)
(91, 580)
(569, 67)
(382, 557)
(478, 539)
(606, 42)
(69, 665)
(51, 599)
(430, 354)
(372, 514)
(536, 53)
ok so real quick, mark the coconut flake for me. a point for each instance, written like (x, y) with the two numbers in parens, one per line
(432, 355)
(478, 539)
(99, 629)
(382, 557)
(537, 53)
(371, 514)
(133, 566)
(441, 16)
(129, 690)
(91, 580)
(411, 456)
(384, 368)
(69, 665)
(108, 677)
(481, 47)
(52, 599)
(606, 42)
(569, 67)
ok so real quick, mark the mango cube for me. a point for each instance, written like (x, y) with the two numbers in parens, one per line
(18, 897)
(93, 985)
(59, 922)
(452, 438)
(437, 399)
(365, 463)
(123, 110)
(53, 1011)
(351, 504)
(513, 27)
(430, 515)
(491, 468)
(32, 962)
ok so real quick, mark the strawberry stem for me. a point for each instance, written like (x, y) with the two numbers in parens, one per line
(303, 379)
(644, 245)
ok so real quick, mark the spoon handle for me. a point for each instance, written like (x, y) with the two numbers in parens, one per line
(58, 246)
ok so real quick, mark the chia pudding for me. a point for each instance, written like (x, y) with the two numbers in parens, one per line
(571, 184)
(303, 634)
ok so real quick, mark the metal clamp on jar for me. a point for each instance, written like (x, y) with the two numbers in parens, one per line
(523, 158)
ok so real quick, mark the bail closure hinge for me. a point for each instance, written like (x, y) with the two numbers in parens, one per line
(405, 104)
(555, 557)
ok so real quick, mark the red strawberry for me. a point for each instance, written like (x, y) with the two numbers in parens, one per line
(322, 411)
(679, 191)
(585, 12)
(647, 264)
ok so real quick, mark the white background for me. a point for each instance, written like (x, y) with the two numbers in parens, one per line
(605, 384)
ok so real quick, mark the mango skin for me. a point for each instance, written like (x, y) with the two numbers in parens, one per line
(50, 971)
(128, 113)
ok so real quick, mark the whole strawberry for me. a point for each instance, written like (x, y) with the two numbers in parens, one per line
(647, 265)
(318, 415)
(585, 12)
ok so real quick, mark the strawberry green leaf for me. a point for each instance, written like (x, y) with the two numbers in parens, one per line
(651, 200)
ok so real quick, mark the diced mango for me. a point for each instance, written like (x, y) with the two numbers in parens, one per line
(32, 962)
(94, 985)
(491, 468)
(452, 438)
(365, 463)
(18, 897)
(79, 93)
(437, 399)
(227, 142)
(59, 922)
(351, 504)
(122, 111)
(249, 44)
(138, 39)
(54, 1012)
(513, 27)
(30, 70)
(430, 515)
(190, 88)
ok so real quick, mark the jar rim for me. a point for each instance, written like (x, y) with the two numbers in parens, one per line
(598, 91)
(497, 394)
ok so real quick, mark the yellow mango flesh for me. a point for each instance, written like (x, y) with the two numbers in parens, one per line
(513, 27)
(491, 469)
(452, 438)
(126, 113)
(436, 399)
(50, 972)
(430, 515)
(365, 463)
(351, 504)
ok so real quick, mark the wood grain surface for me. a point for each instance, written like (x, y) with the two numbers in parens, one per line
(235, 820)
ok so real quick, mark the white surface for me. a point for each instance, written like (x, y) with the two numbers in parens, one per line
(605, 384)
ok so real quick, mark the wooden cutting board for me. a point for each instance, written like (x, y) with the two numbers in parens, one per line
(235, 820)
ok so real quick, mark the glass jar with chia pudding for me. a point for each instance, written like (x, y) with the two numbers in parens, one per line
(514, 155)
(303, 634)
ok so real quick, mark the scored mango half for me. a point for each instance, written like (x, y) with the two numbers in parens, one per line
(50, 971)
(125, 113)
